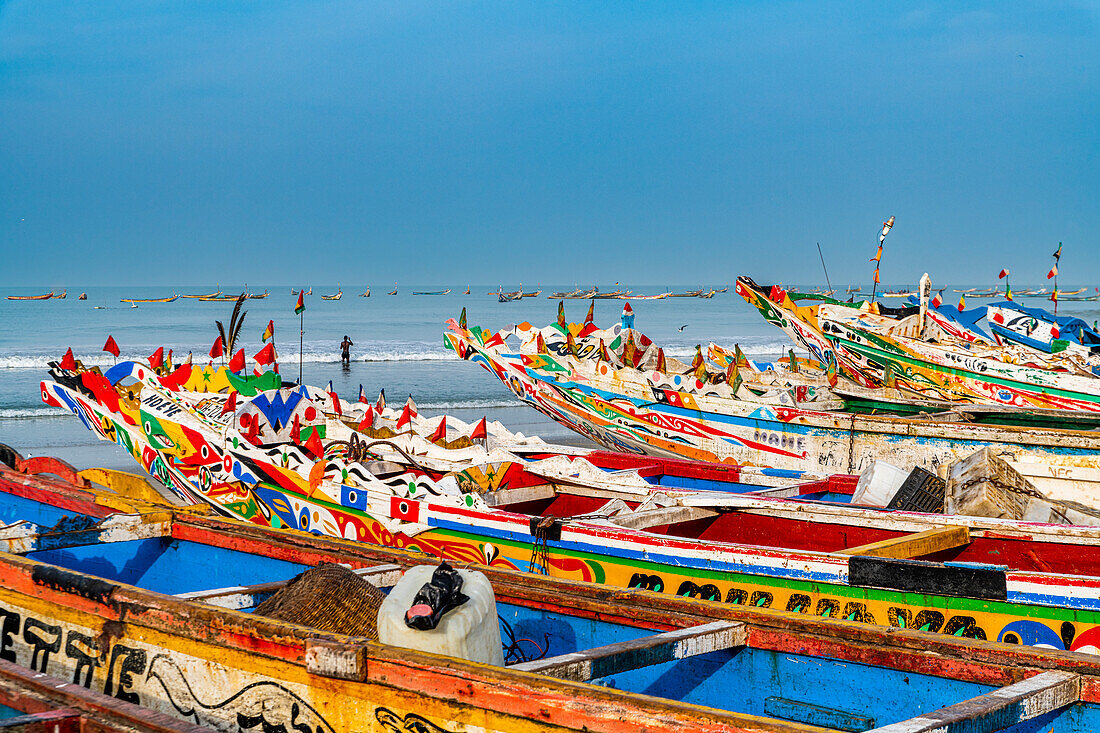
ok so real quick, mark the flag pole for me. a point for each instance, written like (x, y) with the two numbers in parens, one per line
(301, 341)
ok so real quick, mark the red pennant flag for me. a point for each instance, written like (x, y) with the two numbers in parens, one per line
(937, 301)
(156, 359)
(313, 445)
(480, 431)
(368, 419)
(266, 355)
(111, 347)
(406, 417)
(296, 429)
(230, 404)
(236, 364)
(776, 294)
(1003, 275)
(269, 332)
(336, 403)
(381, 403)
(440, 431)
(1053, 272)
(362, 395)
(67, 361)
(217, 349)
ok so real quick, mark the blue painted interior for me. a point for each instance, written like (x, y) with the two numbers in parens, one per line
(15, 508)
(6, 712)
(170, 566)
(741, 681)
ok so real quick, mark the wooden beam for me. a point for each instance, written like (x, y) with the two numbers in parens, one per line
(24, 537)
(915, 545)
(248, 596)
(1036, 696)
(520, 495)
(627, 655)
(662, 516)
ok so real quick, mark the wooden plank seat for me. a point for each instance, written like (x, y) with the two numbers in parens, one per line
(627, 655)
(915, 545)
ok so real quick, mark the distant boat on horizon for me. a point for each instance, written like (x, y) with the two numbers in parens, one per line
(47, 296)
(365, 294)
(432, 292)
(135, 301)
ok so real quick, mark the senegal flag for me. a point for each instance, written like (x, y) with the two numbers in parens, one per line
(301, 306)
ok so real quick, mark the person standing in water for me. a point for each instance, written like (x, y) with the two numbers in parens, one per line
(345, 350)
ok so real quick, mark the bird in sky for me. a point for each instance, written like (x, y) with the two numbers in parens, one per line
(681, 329)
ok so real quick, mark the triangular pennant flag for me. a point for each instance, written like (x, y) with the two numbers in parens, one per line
(698, 364)
(236, 364)
(189, 358)
(217, 349)
(296, 429)
(368, 419)
(1003, 275)
(733, 376)
(462, 320)
(792, 361)
(266, 355)
(480, 431)
(68, 362)
(405, 418)
(561, 314)
(381, 404)
(739, 357)
(589, 318)
(1055, 332)
(301, 304)
(156, 359)
(629, 349)
(314, 445)
(830, 370)
(440, 433)
(269, 332)
(362, 395)
(937, 301)
(411, 405)
(878, 256)
(168, 360)
(875, 278)
(230, 403)
(328, 387)
(604, 353)
(1008, 292)
(336, 407)
(540, 344)
(661, 366)
(1053, 272)
(317, 473)
(776, 294)
(962, 303)
(111, 347)
(570, 343)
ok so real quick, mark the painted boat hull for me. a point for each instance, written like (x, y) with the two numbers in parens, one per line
(408, 511)
(230, 669)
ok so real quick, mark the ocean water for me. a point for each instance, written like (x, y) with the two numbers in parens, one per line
(398, 346)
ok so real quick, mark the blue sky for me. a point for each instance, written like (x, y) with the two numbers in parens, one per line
(178, 143)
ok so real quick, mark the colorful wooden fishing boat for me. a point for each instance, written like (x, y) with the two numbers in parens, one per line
(432, 292)
(642, 410)
(335, 296)
(564, 516)
(83, 296)
(150, 300)
(203, 296)
(1040, 329)
(223, 298)
(47, 296)
(866, 346)
(658, 296)
(365, 293)
(64, 294)
(533, 294)
(258, 296)
(688, 294)
(180, 643)
(394, 291)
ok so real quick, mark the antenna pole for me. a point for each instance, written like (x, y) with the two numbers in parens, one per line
(829, 284)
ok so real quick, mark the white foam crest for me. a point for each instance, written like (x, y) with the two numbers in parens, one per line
(14, 413)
